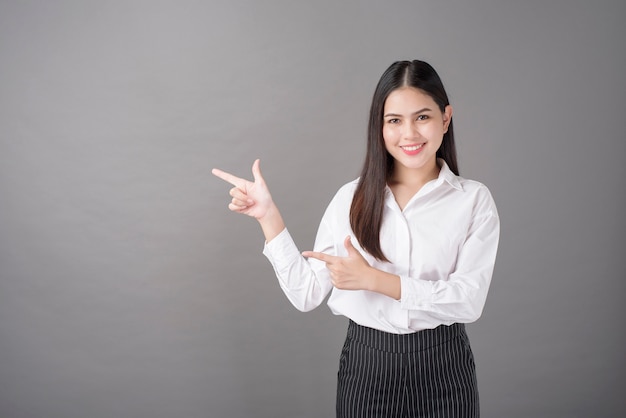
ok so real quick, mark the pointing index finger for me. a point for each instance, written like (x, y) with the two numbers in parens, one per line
(234, 180)
(319, 256)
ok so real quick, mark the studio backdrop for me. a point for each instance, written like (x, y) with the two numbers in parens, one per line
(128, 289)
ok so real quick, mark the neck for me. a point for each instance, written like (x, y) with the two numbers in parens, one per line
(415, 177)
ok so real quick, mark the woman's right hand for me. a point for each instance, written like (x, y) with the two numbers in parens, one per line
(254, 199)
(250, 198)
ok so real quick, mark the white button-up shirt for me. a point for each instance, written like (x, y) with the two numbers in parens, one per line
(442, 246)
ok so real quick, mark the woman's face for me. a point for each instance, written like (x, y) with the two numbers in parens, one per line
(413, 128)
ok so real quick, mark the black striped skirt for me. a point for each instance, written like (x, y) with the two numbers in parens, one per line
(429, 373)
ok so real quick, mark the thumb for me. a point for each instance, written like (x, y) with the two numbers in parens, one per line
(256, 171)
(348, 244)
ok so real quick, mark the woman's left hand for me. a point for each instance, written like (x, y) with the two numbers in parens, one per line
(347, 273)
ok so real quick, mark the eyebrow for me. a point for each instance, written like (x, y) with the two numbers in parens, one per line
(426, 109)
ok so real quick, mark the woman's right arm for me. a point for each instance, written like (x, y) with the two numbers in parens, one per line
(305, 286)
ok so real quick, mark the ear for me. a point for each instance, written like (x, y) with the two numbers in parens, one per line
(447, 118)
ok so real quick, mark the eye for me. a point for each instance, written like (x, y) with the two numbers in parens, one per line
(422, 117)
(393, 120)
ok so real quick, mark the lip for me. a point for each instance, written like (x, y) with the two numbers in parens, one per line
(411, 149)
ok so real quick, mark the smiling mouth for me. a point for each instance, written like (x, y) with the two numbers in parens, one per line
(411, 148)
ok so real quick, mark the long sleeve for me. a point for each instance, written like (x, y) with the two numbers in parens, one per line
(304, 282)
(461, 297)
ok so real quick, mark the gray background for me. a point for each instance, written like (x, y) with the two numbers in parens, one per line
(127, 289)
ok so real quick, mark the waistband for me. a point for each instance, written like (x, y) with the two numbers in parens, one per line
(404, 343)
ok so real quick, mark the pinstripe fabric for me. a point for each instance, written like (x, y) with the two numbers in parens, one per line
(429, 373)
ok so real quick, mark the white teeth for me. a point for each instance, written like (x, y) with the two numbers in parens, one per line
(413, 147)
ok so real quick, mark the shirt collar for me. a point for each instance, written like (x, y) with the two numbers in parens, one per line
(445, 174)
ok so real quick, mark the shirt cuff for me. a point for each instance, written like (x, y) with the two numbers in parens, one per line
(416, 294)
(281, 250)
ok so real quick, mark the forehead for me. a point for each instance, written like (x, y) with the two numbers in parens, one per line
(408, 99)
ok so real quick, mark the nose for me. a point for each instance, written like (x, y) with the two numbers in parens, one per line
(411, 131)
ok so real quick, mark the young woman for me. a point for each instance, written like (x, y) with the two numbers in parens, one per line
(407, 252)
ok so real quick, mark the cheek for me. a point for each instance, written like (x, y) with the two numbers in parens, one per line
(387, 142)
(389, 134)
(433, 131)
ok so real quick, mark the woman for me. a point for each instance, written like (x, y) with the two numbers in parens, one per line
(407, 251)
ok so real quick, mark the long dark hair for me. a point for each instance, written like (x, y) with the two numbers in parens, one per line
(366, 212)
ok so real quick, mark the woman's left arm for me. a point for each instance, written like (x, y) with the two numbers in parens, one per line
(460, 298)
